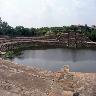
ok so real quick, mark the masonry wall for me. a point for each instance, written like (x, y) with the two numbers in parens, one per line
(70, 40)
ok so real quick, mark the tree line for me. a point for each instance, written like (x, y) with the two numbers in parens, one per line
(7, 30)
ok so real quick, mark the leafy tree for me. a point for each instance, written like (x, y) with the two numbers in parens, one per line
(6, 29)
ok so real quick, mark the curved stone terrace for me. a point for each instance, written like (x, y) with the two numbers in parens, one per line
(71, 40)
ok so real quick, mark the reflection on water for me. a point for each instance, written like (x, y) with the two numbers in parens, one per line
(55, 59)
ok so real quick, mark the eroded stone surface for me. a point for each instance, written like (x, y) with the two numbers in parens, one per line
(18, 80)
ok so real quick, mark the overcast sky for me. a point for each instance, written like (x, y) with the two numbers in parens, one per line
(39, 13)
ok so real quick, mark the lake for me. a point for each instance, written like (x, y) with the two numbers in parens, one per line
(81, 60)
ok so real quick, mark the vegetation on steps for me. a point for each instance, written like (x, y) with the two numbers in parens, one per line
(11, 54)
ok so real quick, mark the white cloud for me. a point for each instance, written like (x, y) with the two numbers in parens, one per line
(37, 13)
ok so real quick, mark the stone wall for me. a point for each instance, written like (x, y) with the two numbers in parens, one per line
(70, 40)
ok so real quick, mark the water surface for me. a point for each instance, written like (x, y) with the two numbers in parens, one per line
(80, 60)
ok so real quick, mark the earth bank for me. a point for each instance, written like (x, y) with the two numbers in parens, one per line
(19, 80)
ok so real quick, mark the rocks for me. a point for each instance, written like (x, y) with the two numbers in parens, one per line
(65, 75)
(66, 68)
(18, 80)
(55, 94)
(67, 93)
(76, 94)
(64, 93)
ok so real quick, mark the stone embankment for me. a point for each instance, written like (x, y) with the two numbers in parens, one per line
(70, 40)
(19, 80)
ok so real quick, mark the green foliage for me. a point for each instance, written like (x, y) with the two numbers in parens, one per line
(49, 33)
(9, 54)
(12, 54)
(5, 29)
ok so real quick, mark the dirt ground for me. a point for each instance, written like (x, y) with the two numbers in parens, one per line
(19, 80)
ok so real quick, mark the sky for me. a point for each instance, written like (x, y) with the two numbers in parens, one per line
(42, 13)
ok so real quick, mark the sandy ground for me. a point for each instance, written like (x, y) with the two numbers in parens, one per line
(19, 80)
